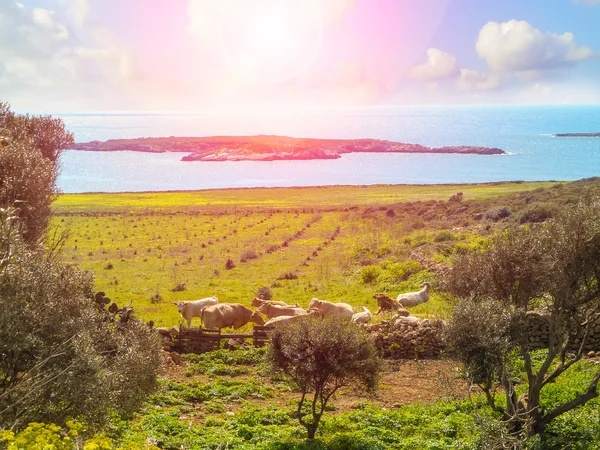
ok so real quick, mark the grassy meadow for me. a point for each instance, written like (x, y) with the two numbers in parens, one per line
(341, 243)
(335, 243)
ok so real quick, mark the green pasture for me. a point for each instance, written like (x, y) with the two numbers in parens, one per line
(297, 197)
(334, 243)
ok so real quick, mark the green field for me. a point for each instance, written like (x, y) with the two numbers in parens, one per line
(335, 243)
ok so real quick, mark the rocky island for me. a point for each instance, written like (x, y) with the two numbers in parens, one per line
(577, 135)
(269, 148)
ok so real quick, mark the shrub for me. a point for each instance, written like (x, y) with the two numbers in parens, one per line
(179, 287)
(264, 293)
(320, 357)
(457, 198)
(289, 275)
(156, 298)
(390, 213)
(443, 236)
(496, 214)
(229, 264)
(369, 274)
(248, 254)
(537, 212)
(61, 354)
(401, 271)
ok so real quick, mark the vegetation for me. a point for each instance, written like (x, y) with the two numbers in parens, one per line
(322, 356)
(64, 356)
(553, 269)
(29, 151)
(61, 355)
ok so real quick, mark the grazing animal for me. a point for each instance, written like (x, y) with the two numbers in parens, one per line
(193, 308)
(362, 317)
(283, 321)
(415, 298)
(270, 310)
(259, 301)
(225, 315)
(386, 303)
(324, 308)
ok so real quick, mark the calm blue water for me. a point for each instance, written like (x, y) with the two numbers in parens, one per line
(523, 131)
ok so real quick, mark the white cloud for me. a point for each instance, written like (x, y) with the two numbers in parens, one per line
(439, 65)
(57, 55)
(77, 10)
(472, 80)
(519, 46)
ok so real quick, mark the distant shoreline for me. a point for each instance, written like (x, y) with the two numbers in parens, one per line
(576, 134)
(270, 148)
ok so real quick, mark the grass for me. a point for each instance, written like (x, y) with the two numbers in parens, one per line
(299, 197)
(239, 411)
(154, 249)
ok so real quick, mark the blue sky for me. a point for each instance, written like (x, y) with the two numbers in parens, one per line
(74, 55)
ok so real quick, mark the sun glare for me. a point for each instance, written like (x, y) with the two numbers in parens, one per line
(271, 40)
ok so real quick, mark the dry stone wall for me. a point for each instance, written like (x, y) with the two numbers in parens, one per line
(409, 337)
(538, 333)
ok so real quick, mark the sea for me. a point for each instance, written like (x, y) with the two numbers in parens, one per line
(524, 132)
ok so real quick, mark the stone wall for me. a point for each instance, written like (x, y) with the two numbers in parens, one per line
(408, 337)
(538, 334)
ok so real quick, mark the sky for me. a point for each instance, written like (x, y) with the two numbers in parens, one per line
(272, 55)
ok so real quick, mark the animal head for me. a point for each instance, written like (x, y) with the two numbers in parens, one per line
(263, 308)
(180, 305)
(257, 301)
(379, 296)
(315, 302)
(425, 285)
(257, 318)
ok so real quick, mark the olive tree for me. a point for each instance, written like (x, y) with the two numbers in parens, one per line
(320, 357)
(60, 355)
(550, 269)
(29, 150)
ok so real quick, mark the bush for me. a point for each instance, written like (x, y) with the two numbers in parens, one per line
(537, 212)
(264, 293)
(156, 298)
(320, 357)
(369, 274)
(248, 255)
(444, 236)
(179, 287)
(390, 213)
(496, 214)
(229, 264)
(401, 271)
(60, 355)
(289, 275)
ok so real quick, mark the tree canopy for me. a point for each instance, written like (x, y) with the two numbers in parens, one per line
(30, 147)
(551, 269)
(321, 356)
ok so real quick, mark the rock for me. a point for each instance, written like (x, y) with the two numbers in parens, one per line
(592, 354)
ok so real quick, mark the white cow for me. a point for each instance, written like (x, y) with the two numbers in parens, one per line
(193, 308)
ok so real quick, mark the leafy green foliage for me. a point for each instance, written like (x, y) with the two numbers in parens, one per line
(321, 356)
(28, 167)
(553, 268)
